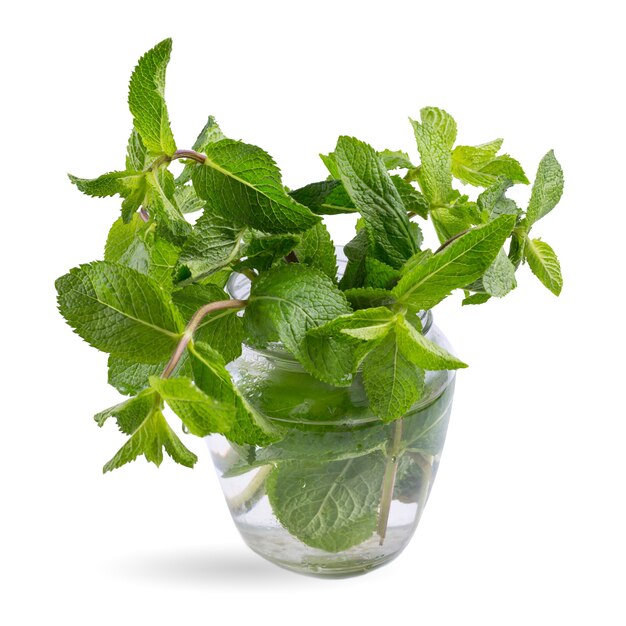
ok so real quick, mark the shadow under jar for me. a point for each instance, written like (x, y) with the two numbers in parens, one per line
(339, 492)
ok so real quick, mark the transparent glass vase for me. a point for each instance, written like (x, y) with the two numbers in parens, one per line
(339, 492)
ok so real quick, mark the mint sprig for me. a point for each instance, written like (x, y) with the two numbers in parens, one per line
(156, 303)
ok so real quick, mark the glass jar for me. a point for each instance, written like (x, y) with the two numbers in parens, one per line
(339, 492)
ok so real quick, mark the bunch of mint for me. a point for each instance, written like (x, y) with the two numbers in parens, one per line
(157, 305)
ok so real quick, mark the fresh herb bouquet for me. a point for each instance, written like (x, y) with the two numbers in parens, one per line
(157, 305)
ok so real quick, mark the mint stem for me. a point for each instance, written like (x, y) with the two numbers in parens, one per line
(189, 154)
(389, 480)
(192, 326)
(243, 501)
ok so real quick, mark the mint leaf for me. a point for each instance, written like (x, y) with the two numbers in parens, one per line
(366, 297)
(547, 189)
(130, 185)
(146, 99)
(425, 430)
(186, 199)
(316, 249)
(137, 246)
(331, 506)
(544, 264)
(286, 302)
(320, 447)
(479, 165)
(475, 298)
(211, 133)
(412, 199)
(370, 187)
(395, 160)
(160, 203)
(493, 201)
(130, 377)
(421, 351)
(505, 166)
(442, 122)
(435, 137)
(458, 264)
(262, 251)
(211, 376)
(324, 198)
(366, 324)
(499, 277)
(393, 382)
(213, 244)
(330, 162)
(150, 435)
(130, 413)
(118, 310)
(222, 330)
(379, 275)
(356, 251)
(137, 157)
(243, 182)
(201, 414)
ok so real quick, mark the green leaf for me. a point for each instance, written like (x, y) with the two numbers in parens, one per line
(316, 249)
(499, 278)
(479, 165)
(201, 414)
(493, 201)
(146, 99)
(321, 447)
(130, 185)
(186, 199)
(379, 275)
(435, 137)
(211, 376)
(413, 200)
(330, 162)
(213, 244)
(505, 166)
(331, 506)
(364, 298)
(475, 298)
(222, 330)
(372, 190)
(286, 302)
(137, 157)
(130, 377)
(324, 198)
(458, 264)
(150, 435)
(160, 203)
(356, 251)
(395, 159)
(421, 351)
(366, 324)
(243, 182)
(392, 381)
(262, 251)
(137, 246)
(450, 220)
(544, 264)
(130, 413)
(547, 189)
(118, 310)
(211, 133)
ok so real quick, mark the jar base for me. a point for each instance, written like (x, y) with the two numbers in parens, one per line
(272, 545)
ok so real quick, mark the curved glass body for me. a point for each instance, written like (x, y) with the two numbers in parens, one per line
(339, 492)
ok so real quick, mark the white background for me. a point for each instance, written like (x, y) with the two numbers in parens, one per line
(526, 521)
